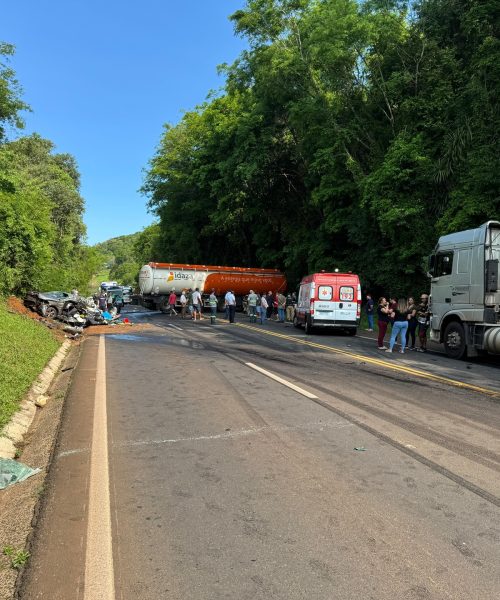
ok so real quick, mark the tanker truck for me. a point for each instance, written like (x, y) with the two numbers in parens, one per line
(158, 280)
(465, 293)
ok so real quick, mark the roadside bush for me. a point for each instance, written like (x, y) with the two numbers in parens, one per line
(25, 348)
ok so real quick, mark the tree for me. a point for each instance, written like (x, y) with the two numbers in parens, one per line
(10, 93)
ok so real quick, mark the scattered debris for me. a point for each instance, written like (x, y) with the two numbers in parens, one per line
(73, 312)
(12, 471)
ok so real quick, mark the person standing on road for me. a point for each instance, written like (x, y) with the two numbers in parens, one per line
(269, 301)
(423, 318)
(289, 308)
(399, 325)
(369, 309)
(102, 301)
(230, 301)
(275, 307)
(252, 306)
(118, 302)
(281, 307)
(383, 321)
(212, 301)
(190, 302)
(412, 324)
(172, 300)
(263, 308)
(197, 304)
(183, 301)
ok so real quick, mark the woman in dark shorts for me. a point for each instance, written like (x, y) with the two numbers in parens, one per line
(423, 319)
(412, 324)
(383, 311)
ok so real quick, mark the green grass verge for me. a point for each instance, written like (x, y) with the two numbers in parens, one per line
(25, 348)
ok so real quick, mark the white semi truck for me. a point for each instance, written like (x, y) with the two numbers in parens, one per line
(465, 292)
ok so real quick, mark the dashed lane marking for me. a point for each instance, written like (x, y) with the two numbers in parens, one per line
(175, 327)
(285, 382)
(380, 363)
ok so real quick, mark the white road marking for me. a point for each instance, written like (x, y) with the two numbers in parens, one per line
(175, 327)
(227, 435)
(99, 572)
(282, 381)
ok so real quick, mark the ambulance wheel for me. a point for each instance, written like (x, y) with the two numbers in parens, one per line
(454, 340)
(308, 327)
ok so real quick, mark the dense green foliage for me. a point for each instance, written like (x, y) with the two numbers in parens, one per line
(25, 348)
(125, 255)
(41, 210)
(349, 134)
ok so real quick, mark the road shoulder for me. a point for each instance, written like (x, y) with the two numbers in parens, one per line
(20, 504)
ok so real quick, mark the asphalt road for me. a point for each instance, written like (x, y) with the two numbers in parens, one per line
(251, 462)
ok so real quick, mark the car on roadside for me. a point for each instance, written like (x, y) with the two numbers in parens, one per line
(127, 294)
(48, 304)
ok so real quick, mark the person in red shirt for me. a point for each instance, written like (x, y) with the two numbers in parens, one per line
(172, 299)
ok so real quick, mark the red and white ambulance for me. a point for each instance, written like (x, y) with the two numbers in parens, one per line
(329, 300)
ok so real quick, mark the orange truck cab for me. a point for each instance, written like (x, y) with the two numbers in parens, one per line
(329, 300)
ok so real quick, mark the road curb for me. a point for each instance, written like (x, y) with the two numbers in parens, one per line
(13, 433)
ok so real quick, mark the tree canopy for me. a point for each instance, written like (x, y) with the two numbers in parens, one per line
(41, 209)
(349, 135)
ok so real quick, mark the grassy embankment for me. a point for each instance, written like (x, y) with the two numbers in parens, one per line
(25, 348)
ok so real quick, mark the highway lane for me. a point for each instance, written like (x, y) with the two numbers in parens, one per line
(226, 483)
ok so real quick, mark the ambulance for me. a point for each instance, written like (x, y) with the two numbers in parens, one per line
(329, 300)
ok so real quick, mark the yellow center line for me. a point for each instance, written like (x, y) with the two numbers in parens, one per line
(378, 362)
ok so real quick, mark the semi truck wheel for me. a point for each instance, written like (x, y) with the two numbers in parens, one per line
(454, 340)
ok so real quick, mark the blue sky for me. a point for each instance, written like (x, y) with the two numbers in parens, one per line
(102, 77)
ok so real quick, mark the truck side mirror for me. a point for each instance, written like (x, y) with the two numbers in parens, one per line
(431, 265)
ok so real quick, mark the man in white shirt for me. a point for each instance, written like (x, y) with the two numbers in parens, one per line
(197, 304)
(230, 301)
(183, 301)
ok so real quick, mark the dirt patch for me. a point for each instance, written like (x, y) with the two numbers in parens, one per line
(118, 328)
(16, 305)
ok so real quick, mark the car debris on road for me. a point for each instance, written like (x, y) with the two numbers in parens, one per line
(73, 311)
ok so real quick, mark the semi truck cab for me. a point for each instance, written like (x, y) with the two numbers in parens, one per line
(465, 295)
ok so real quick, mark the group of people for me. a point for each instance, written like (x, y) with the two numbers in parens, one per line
(260, 307)
(268, 306)
(190, 301)
(408, 318)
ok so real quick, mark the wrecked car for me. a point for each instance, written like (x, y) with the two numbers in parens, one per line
(48, 304)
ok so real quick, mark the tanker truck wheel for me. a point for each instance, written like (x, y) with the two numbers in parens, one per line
(454, 340)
